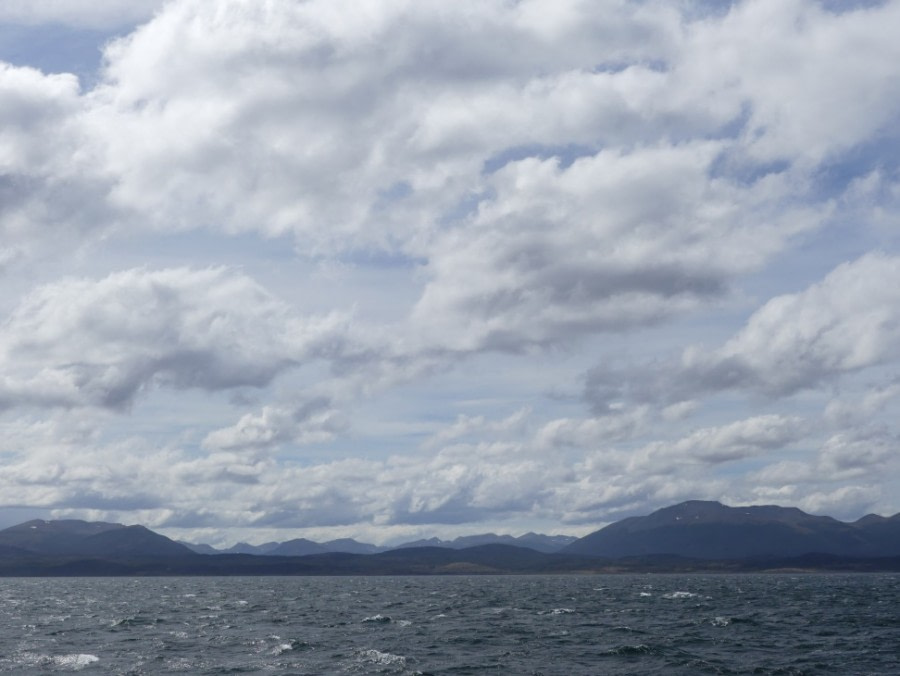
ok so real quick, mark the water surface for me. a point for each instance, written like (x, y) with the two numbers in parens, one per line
(629, 624)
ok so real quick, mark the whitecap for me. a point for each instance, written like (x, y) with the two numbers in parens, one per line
(645, 594)
(679, 595)
(382, 658)
(74, 661)
(720, 622)
(378, 619)
(404, 623)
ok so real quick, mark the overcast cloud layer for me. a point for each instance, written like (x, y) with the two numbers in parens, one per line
(388, 269)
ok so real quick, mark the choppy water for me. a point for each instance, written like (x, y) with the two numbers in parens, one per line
(700, 624)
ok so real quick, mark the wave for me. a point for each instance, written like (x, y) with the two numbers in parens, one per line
(639, 649)
(379, 619)
(381, 658)
(74, 661)
(680, 595)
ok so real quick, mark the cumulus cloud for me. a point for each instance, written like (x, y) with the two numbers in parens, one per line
(849, 321)
(267, 117)
(845, 323)
(50, 193)
(614, 241)
(735, 441)
(816, 82)
(81, 342)
(312, 421)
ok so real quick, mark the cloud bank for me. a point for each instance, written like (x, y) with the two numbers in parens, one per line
(404, 266)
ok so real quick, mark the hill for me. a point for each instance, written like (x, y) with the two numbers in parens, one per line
(712, 531)
(72, 538)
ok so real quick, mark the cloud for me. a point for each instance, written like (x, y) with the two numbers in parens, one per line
(739, 440)
(846, 323)
(50, 193)
(849, 321)
(817, 83)
(585, 433)
(238, 114)
(553, 185)
(81, 342)
(559, 252)
(312, 421)
(106, 14)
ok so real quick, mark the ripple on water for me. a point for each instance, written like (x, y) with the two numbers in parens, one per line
(458, 625)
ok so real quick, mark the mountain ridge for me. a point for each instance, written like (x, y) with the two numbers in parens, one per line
(304, 547)
(710, 530)
(692, 536)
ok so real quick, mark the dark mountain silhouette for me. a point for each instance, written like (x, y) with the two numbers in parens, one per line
(351, 546)
(53, 537)
(244, 548)
(298, 547)
(710, 530)
(131, 542)
(880, 528)
(72, 538)
(693, 536)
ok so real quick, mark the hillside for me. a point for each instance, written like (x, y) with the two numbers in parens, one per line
(710, 530)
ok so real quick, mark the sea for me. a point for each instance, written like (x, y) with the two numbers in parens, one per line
(567, 624)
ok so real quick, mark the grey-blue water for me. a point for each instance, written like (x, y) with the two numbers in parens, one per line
(634, 624)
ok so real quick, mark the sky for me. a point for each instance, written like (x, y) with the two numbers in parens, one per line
(390, 269)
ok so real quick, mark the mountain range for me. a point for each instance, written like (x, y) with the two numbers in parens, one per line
(690, 536)
(304, 547)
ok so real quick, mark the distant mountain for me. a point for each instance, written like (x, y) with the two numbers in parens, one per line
(350, 546)
(304, 547)
(199, 549)
(72, 538)
(298, 547)
(244, 548)
(545, 543)
(540, 543)
(690, 537)
(710, 530)
(131, 541)
(52, 537)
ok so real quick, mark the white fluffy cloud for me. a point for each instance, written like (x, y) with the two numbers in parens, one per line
(844, 324)
(616, 241)
(849, 321)
(312, 421)
(713, 445)
(82, 342)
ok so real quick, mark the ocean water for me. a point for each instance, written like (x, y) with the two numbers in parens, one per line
(629, 624)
